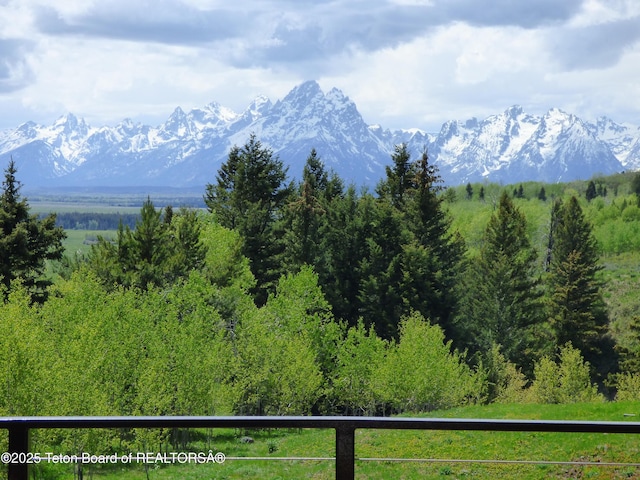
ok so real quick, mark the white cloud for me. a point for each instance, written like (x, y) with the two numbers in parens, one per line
(406, 63)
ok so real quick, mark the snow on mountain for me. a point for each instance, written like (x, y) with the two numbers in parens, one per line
(623, 141)
(189, 147)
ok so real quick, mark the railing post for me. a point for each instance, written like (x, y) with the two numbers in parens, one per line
(18, 443)
(345, 453)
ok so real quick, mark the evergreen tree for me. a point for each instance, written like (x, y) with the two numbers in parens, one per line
(502, 302)
(469, 191)
(382, 273)
(542, 194)
(149, 242)
(305, 215)
(635, 186)
(578, 311)
(160, 250)
(26, 242)
(400, 178)
(343, 247)
(591, 192)
(249, 196)
(481, 194)
(444, 249)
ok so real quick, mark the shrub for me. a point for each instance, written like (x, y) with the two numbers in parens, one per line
(567, 381)
(421, 373)
(628, 387)
(506, 382)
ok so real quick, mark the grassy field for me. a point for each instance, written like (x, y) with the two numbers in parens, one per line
(440, 447)
(65, 207)
(81, 240)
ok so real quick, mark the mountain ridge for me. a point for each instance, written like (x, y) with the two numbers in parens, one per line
(189, 147)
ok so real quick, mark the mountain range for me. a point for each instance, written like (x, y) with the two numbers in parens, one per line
(188, 149)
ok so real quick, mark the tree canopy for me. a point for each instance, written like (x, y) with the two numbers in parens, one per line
(26, 242)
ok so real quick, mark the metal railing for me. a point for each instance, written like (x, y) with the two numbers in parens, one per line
(345, 427)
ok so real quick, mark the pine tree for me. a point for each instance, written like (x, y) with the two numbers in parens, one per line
(542, 194)
(26, 242)
(578, 311)
(502, 303)
(431, 227)
(635, 186)
(249, 196)
(591, 191)
(400, 177)
(305, 215)
(469, 191)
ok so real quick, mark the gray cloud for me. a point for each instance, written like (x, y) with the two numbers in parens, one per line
(521, 13)
(594, 46)
(14, 71)
(370, 26)
(320, 29)
(161, 22)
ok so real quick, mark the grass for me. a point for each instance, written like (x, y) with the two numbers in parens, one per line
(440, 445)
(80, 207)
(81, 240)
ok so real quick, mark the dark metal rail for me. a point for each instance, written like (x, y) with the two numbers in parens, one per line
(344, 427)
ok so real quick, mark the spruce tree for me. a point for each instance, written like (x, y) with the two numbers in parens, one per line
(542, 194)
(249, 196)
(578, 312)
(469, 189)
(591, 192)
(26, 242)
(502, 300)
(400, 178)
(443, 248)
(305, 215)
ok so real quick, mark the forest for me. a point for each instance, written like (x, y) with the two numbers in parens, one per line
(313, 297)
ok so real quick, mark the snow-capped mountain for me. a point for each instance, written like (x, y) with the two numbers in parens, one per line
(188, 149)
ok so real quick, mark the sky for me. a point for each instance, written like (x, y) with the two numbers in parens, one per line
(405, 63)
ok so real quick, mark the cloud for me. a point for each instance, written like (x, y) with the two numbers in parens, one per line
(160, 22)
(594, 46)
(521, 13)
(294, 34)
(14, 70)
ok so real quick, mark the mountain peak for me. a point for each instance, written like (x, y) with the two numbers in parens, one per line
(303, 92)
(514, 111)
(507, 147)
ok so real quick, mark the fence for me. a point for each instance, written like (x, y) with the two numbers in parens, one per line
(344, 427)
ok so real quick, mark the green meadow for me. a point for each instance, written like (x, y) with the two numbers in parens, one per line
(412, 454)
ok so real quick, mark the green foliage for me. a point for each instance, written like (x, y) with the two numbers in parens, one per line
(284, 351)
(401, 177)
(567, 381)
(502, 294)
(355, 380)
(157, 252)
(26, 242)
(578, 312)
(591, 192)
(421, 373)
(21, 367)
(635, 185)
(505, 382)
(628, 387)
(249, 196)
(305, 215)
(431, 226)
